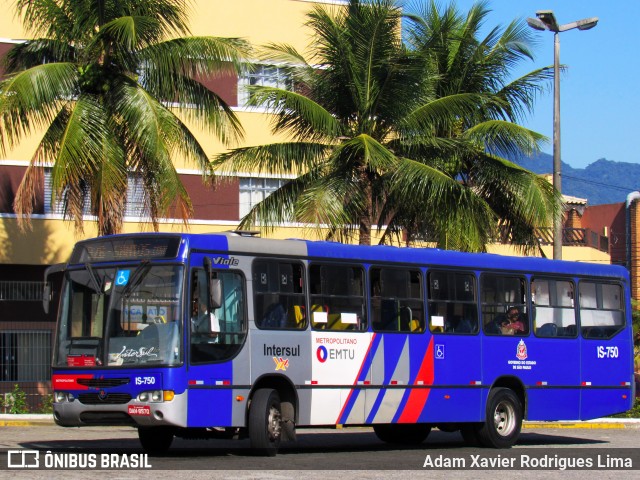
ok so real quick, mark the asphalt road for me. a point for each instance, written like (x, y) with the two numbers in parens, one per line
(345, 453)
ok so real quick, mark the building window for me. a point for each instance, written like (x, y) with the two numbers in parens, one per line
(135, 206)
(262, 75)
(21, 291)
(254, 190)
(57, 208)
(25, 356)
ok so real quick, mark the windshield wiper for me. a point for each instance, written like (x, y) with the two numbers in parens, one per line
(136, 278)
(94, 278)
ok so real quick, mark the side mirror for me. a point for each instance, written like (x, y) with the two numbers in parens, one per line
(46, 293)
(215, 293)
(214, 286)
(46, 297)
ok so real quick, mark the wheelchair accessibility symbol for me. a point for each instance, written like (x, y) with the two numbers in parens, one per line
(439, 351)
(122, 278)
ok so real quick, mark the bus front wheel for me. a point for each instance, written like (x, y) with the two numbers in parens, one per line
(155, 440)
(265, 422)
(504, 419)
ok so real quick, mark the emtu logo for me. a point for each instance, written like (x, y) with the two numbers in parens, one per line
(322, 354)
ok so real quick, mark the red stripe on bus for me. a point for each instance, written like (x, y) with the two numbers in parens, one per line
(418, 396)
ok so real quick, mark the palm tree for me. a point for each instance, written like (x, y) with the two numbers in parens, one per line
(106, 80)
(379, 135)
(465, 64)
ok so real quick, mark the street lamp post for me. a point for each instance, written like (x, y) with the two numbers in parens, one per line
(546, 20)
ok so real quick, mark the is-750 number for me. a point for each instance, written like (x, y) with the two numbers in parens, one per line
(607, 352)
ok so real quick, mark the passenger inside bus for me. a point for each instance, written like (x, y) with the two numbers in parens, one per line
(511, 323)
(204, 324)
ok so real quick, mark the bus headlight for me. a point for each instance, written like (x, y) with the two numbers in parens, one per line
(153, 396)
(63, 397)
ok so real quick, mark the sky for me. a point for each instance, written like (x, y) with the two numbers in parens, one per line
(599, 91)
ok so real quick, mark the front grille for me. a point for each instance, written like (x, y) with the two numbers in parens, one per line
(108, 399)
(102, 382)
(106, 418)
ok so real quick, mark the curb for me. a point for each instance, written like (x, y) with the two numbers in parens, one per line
(26, 420)
(573, 425)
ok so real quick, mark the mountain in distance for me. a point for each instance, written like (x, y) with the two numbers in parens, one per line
(604, 181)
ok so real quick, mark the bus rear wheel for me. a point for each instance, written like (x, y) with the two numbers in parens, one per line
(155, 440)
(504, 419)
(408, 434)
(265, 422)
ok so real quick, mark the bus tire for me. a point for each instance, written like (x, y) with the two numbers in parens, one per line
(402, 433)
(265, 422)
(155, 440)
(504, 419)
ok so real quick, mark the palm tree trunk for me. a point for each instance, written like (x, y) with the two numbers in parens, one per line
(367, 214)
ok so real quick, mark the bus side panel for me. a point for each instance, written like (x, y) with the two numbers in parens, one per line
(390, 369)
(553, 366)
(548, 369)
(407, 366)
(552, 403)
(458, 391)
(607, 363)
(339, 359)
(210, 395)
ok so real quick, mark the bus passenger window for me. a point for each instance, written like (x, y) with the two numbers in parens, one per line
(396, 300)
(601, 309)
(452, 303)
(553, 309)
(279, 295)
(503, 304)
(337, 297)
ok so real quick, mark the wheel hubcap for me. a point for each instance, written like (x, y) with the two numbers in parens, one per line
(504, 419)
(274, 424)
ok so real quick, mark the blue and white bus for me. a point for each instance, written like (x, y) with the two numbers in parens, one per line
(222, 335)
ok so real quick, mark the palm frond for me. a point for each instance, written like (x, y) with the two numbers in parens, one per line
(505, 138)
(30, 99)
(274, 159)
(295, 113)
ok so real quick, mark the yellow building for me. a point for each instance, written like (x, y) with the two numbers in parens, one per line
(257, 21)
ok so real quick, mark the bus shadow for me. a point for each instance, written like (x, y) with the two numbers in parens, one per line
(332, 441)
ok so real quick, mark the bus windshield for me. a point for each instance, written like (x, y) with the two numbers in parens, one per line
(121, 316)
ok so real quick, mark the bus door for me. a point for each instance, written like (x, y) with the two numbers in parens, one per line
(553, 353)
(607, 348)
(521, 342)
(455, 348)
(217, 330)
